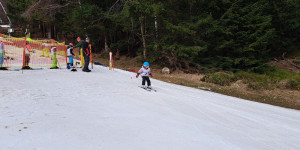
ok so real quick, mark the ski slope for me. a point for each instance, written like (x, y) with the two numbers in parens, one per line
(105, 110)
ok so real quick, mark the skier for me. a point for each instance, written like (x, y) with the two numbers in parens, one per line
(145, 72)
(53, 56)
(79, 45)
(86, 52)
(2, 53)
(28, 50)
(70, 55)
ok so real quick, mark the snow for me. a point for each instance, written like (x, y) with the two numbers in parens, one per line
(63, 110)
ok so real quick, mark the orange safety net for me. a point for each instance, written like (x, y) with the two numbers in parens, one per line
(14, 52)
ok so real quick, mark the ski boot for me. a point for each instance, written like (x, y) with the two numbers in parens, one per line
(54, 67)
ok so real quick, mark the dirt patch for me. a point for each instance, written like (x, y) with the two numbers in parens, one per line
(240, 85)
(285, 65)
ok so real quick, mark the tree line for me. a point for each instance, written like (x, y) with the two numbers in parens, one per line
(224, 34)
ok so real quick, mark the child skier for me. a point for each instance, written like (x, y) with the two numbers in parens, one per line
(2, 55)
(145, 72)
(70, 55)
(53, 56)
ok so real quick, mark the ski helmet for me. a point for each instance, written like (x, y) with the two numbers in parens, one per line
(146, 64)
(78, 38)
(71, 44)
(87, 38)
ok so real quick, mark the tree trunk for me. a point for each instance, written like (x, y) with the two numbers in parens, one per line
(49, 31)
(128, 47)
(156, 27)
(45, 30)
(42, 29)
(143, 37)
(105, 42)
(54, 32)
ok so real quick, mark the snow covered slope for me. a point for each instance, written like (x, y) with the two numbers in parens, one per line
(105, 110)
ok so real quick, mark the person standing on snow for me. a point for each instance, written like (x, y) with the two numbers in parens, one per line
(145, 72)
(70, 55)
(2, 53)
(79, 45)
(53, 56)
(28, 50)
(86, 51)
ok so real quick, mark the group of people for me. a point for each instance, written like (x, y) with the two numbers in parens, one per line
(84, 53)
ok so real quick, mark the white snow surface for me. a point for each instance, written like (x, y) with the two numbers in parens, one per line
(106, 110)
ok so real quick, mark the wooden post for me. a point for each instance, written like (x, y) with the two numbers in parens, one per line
(91, 57)
(66, 53)
(24, 52)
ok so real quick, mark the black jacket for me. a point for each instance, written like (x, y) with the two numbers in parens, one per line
(86, 49)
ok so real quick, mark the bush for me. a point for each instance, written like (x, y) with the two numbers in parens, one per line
(104, 55)
(263, 69)
(294, 84)
(222, 79)
(260, 78)
(256, 81)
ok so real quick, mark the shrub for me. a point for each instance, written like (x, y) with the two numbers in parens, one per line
(104, 55)
(256, 81)
(263, 69)
(294, 84)
(222, 79)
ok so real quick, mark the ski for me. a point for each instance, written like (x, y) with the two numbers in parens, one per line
(148, 89)
(152, 89)
(9, 69)
(145, 88)
(14, 69)
(35, 69)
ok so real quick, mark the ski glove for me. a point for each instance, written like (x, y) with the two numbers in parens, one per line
(151, 75)
(137, 75)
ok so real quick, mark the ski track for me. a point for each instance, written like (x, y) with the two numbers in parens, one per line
(63, 110)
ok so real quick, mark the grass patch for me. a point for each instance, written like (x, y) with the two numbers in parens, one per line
(222, 79)
(294, 84)
(257, 79)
